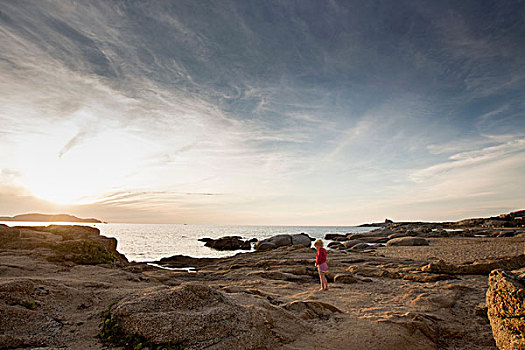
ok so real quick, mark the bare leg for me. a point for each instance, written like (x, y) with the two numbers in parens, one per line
(324, 283)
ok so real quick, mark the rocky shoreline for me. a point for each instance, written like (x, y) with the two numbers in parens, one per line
(402, 286)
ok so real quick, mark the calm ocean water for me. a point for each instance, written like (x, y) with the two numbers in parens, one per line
(148, 242)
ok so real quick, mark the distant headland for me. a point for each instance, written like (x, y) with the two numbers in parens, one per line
(48, 218)
(513, 219)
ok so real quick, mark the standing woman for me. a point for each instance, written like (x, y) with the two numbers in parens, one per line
(320, 262)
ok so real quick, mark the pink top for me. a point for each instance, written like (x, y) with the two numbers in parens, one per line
(320, 257)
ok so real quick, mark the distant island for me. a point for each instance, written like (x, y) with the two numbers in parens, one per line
(47, 218)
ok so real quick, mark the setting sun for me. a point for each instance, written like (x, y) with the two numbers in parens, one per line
(78, 173)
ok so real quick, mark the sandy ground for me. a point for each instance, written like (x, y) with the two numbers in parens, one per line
(459, 250)
(377, 312)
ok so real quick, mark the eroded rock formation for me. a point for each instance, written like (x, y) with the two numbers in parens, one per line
(506, 310)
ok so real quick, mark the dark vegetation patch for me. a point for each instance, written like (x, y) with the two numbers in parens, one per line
(28, 304)
(82, 253)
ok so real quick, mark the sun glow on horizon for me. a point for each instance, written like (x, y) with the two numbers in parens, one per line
(57, 170)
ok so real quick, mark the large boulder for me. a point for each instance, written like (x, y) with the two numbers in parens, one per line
(506, 310)
(195, 314)
(228, 243)
(283, 240)
(407, 241)
(301, 239)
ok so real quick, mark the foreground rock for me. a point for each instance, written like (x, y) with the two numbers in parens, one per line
(193, 314)
(506, 310)
(283, 240)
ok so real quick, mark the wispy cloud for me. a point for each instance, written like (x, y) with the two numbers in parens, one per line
(74, 141)
(472, 158)
(155, 107)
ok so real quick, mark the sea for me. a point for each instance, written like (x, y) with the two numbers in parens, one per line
(151, 242)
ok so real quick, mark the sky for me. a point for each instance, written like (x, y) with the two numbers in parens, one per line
(310, 112)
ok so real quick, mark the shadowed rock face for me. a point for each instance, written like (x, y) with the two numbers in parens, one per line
(283, 240)
(198, 315)
(506, 310)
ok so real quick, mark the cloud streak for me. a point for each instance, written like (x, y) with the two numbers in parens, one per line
(514, 148)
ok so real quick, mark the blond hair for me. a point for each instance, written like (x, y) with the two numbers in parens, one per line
(319, 242)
